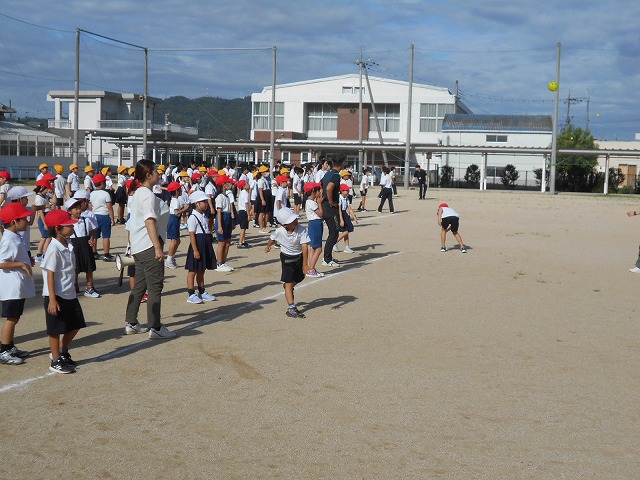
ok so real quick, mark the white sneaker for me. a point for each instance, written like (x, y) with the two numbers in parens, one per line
(39, 258)
(332, 263)
(223, 267)
(161, 334)
(335, 248)
(231, 269)
(130, 329)
(634, 270)
(207, 297)
(348, 250)
(194, 298)
(9, 358)
(169, 264)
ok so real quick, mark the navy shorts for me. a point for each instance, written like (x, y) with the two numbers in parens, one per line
(227, 227)
(43, 230)
(104, 226)
(314, 229)
(68, 319)
(297, 200)
(454, 222)
(173, 227)
(243, 219)
(13, 308)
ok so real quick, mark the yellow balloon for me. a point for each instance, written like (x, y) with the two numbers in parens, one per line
(553, 86)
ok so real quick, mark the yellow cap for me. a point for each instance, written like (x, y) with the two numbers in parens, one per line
(106, 170)
(284, 171)
(58, 168)
(183, 173)
(73, 166)
(263, 169)
(345, 172)
(131, 171)
(43, 165)
(88, 169)
(202, 169)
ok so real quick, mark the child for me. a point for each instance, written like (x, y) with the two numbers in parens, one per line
(88, 178)
(176, 209)
(20, 195)
(244, 207)
(82, 241)
(364, 184)
(280, 195)
(346, 213)
(102, 208)
(200, 256)
(42, 205)
(62, 309)
(73, 180)
(313, 212)
(223, 223)
(294, 251)
(448, 219)
(15, 277)
(121, 193)
(59, 185)
(345, 179)
(5, 186)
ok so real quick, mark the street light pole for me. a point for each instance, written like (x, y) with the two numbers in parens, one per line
(554, 134)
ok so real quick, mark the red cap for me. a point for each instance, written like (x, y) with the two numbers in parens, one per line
(344, 187)
(13, 211)
(44, 183)
(281, 179)
(242, 183)
(196, 176)
(173, 186)
(443, 205)
(311, 186)
(222, 179)
(212, 173)
(5, 174)
(49, 177)
(98, 178)
(58, 218)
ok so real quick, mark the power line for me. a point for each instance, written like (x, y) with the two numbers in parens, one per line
(35, 25)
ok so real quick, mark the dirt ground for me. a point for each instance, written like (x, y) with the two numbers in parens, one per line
(519, 359)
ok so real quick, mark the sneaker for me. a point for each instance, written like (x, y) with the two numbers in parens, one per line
(463, 250)
(66, 358)
(59, 366)
(39, 258)
(161, 334)
(145, 297)
(16, 352)
(243, 245)
(255, 225)
(277, 245)
(263, 232)
(222, 268)
(348, 249)
(183, 226)
(194, 298)
(443, 249)
(207, 297)
(90, 292)
(331, 263)
(107, 257)
(133, 328)
(335, 248)
(313, 273)
(169, 264)
(230, 268)
(295, 313)
(8, 358)
(97, 256)
(634, 270)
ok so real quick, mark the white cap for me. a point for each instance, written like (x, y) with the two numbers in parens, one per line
(15, 193)
(198, 196)
(81, 195)
(285, 216)
(71, 202)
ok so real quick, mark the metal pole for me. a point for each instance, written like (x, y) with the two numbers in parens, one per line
(554, 134)
(606, 174)
(76, 101)
(407, 150)
(272, 143)
(360, 121)
(375, 115)
(144, 105)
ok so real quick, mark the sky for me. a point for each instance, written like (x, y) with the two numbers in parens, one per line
(501, 54)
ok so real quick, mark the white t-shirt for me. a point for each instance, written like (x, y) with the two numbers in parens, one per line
(310, 208)
(177, 203)
(43, 200)
(61, 260)
(297, 184)
(223, 203)
(253, 185)
(16, 283)
(5, 189)
(99, 200)
(291, 243)
(74, 181)
(364, 183)
(59, 184)
(449, 212)
(243, 199)
(146, 205)
(280, 195)
(88, 183)
(194, 226)
(319, 174)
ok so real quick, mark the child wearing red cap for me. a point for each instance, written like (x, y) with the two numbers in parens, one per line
(297, 187)
(5, 186)
(16, 278)
(63, 312)
(448, 219)
(177, 207)
(313, 212)
(346, 213)
(223, 223)
(102, 207)
(83, 239)
(42, 204)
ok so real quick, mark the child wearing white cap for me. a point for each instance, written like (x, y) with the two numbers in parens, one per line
(200, 256)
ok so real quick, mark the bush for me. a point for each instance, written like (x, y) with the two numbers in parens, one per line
(446, 175)
(510, 176)
(472, 175)
(627, 189)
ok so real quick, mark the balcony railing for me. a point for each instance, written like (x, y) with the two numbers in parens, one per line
(59, 123)
(128, 125)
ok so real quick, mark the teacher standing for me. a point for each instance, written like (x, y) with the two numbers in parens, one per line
(149, 216)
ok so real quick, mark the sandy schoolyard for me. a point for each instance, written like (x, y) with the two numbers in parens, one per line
(517, 360)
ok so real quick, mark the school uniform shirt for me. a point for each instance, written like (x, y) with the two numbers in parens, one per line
(108, 183)
(386, 181)
(122, 181)
(74, 181)
(449, 212)
(5, 189)
(88, 183)
(296, 184)
(59, 184)
(99, 200)
(177, 203)
(364, 183)
(343, 202)
(43, 201)
(243, 199)
(194, 226)
(310, 209)
(349, 183)
(61, 260)
(230, 196)
(145, 206)
(262, 185)
(210, 190)
(319, 174)
(90, 217)
(252, 188)
(223, 203)
(281, 195)
(291, 243)
(84, 227)
(16, 283)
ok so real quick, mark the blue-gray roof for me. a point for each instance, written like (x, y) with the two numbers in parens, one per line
(498, 123)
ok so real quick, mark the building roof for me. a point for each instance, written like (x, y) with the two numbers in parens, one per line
(5, 109)
(498, 123)
(11, 129)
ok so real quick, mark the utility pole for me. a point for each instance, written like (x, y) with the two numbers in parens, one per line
(407, 150)
(373, 106)
(554, 134)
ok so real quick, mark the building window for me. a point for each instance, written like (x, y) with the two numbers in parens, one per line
(286, 157)
(322, 116)
(389, 116)
(432, 114)
(495, 172)
(352, 90)
(262, 116)
(305, 157)
(496, 138)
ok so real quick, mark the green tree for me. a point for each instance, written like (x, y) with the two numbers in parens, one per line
(510, 176)
(576, 172)
(616, 178)
(472, 174)
(446, 175)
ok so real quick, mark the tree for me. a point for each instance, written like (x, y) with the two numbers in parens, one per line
(616, 178)
(510, 176)
(446, 175)
(537, 172)
(576, 172)
(472, 174)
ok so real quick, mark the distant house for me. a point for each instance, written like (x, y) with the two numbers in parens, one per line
(496, 131)
(105, 118)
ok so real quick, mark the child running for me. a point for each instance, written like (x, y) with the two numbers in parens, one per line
(82, 241)
(200, 256)
(177, 207)
(313, 212)
(16, 278)
(346, 214)
(294, 252)
(62, 309)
